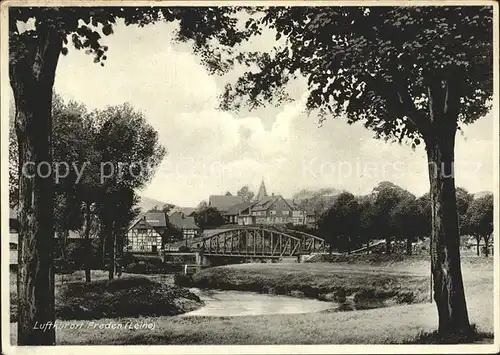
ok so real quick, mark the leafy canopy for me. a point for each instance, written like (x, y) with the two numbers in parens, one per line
(339, 225)
(208, 217)
(85, 26)
(394, 68)
(480, 216)
(245, 193)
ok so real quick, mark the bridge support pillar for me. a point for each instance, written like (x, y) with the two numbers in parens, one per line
(201, 259)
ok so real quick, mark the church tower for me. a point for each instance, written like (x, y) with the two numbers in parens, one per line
(262, 192)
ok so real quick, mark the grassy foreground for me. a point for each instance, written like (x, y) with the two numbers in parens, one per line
(391, 325)
(129, 296)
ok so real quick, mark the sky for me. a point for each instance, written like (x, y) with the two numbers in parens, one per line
(211, 152)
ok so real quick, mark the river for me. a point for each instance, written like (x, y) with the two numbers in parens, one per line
(241, 303)
(221, 303)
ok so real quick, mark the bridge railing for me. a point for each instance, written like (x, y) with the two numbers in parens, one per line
(262, 241)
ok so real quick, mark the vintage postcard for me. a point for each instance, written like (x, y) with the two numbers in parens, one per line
(264, 177)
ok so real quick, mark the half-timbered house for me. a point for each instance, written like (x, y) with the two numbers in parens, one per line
(145, 233)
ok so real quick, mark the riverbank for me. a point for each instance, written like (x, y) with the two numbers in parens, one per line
(327, 282)
(361, 278)
(398, 324)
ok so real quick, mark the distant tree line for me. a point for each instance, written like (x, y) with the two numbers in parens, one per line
(394, 214)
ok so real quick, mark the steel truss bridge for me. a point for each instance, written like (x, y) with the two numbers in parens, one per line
(262, 242)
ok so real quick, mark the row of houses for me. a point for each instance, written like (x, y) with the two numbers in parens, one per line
(147, 232)
(144, 235)
(262, 210)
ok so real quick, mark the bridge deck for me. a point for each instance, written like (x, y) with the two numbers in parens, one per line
(266, 255)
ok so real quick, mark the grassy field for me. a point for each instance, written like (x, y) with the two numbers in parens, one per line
(398, 324)
(393, 325)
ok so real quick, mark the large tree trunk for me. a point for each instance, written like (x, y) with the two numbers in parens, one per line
(32, 66)
(449, 292)
(88, 246)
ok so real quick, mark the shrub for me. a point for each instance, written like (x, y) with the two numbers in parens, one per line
(364, 294)
(406, 297)
(125, 297)
(145, 267)
(340, 295)
(135, 267)
(183, 280)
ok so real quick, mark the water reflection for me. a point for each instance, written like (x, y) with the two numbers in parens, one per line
(239, 303)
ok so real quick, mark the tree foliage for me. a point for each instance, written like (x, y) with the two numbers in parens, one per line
(317, 201)
(480, 215)
(339, 225)
(386, 196)
(130, 152)
(245, 193)
(84, 27)
(366, 220)
(464, 199)
(409, 221)
(209, 217)
(167, 208)
(37, 37)
(480, 220)
(380, 65)
(68, 136)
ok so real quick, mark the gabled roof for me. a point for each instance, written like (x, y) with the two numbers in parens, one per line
(246, 210)
(181, 221)
(222, 202)
(239, 207)
(264, 204)
(156, 219)
(188, 211)
(267, 202)
(149, 220)
(291, 203)
(140, 222)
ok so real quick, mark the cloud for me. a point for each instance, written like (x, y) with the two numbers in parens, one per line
(210, 151)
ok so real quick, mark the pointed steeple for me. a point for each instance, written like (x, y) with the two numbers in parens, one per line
(262, 192)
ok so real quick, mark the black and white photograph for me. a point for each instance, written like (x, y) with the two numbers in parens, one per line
(250, 177)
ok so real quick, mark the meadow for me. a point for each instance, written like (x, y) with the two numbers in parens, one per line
(413, 320)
